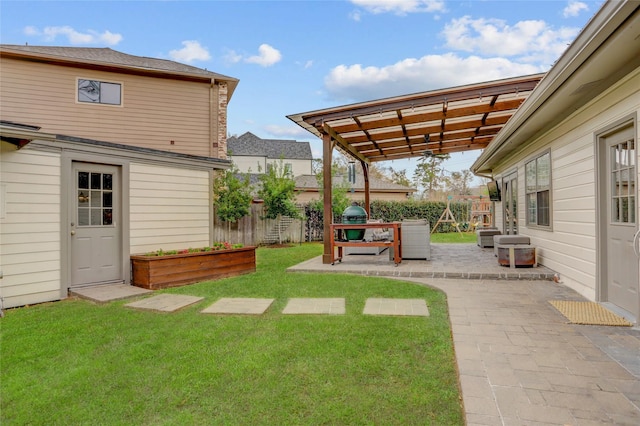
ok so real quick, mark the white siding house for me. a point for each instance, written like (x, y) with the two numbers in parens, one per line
(251, 154)
(169, 207)
(29, 226)
(567, 162)
(84, 185)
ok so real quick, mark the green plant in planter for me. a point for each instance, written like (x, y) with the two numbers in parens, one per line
(216, 246)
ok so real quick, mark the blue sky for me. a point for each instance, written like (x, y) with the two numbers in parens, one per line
(297, 56)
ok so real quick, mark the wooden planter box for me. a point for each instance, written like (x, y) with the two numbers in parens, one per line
(156, 272)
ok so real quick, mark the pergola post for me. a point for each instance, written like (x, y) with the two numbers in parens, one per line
(327, 160)
(367, 200)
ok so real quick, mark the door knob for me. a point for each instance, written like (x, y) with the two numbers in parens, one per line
(73, 232)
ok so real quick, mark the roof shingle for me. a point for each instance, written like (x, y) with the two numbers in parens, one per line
(252, 145)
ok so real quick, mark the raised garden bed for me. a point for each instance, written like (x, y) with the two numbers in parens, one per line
(156, 272)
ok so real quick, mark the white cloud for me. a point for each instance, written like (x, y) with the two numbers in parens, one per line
(231, 57)
(357, 83)
(74, 37)
(191, 51)
(531, 41)
(574, 8)
(286, 131)
(30, 31)
(399, 7)
(267, 56)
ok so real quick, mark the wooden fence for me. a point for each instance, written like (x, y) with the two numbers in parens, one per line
(253, 230)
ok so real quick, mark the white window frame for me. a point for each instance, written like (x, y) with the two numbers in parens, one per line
(533, 213)
(87, 102)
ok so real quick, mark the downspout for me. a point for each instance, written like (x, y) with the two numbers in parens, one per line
(213, 118)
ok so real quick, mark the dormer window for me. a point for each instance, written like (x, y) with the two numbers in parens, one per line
(99, 92)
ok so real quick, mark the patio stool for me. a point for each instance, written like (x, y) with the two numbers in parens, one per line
(485, 236)
(508, 239)
(516, 255)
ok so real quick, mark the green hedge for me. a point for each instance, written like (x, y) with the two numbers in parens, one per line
(395, 211)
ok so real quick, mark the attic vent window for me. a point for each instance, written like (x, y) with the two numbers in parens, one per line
(99, 92)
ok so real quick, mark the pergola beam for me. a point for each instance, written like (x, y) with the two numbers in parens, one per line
(520, 84)
(344, 145)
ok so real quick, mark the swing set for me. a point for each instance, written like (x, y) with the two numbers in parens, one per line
(481, 214)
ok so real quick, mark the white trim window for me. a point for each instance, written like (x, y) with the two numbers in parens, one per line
(99, 92)
(538, 190)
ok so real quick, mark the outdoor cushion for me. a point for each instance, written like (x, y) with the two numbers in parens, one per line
(508, 239)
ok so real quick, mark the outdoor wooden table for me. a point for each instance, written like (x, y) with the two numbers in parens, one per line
(339, 243)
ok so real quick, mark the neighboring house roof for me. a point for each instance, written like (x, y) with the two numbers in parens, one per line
(251, 145)
(106, 57)
(310, 183)
(607, 49)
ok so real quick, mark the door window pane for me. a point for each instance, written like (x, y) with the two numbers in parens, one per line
(107, 199)
(96, 199)
(96, 217)
(107, 218)
(107, 181)
(83, 180)
(622, 182)
(95, 180)
(95, 205)
(83, 217)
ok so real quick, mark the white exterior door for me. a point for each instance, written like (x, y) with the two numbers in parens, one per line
(621, 278)
(96, 237)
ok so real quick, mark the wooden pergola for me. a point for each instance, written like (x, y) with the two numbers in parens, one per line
(445, 121)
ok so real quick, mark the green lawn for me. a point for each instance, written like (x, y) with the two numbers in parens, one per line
(454, 237)
(75, 362)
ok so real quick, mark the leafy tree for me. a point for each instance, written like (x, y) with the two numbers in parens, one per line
(278, 193)
(458, 183)
(231, 195)
(429, 173)
(399, 177)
